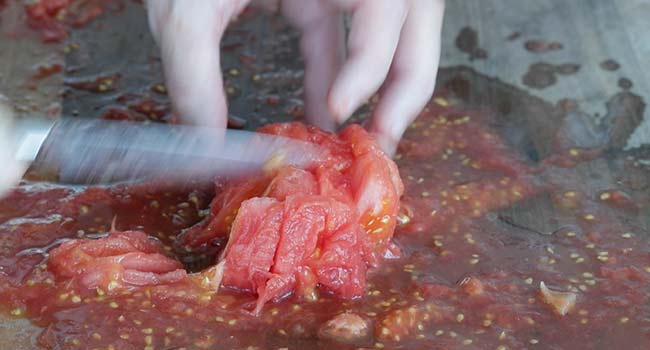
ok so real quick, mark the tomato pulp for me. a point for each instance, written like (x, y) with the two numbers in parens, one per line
(51, 18)
(467, 276)
(295, 229)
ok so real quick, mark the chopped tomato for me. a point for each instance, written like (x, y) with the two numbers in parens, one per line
(339, 150)
(277, 247)
(346, 327)
(291, 180)
(322, 226)
(54, 17)
(223, 210)
(42, 15)
(252, 245)
(119, 261)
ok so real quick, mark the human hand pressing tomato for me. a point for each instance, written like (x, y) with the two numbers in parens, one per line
(393, 47)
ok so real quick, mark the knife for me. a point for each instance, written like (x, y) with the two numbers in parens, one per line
(95, 151)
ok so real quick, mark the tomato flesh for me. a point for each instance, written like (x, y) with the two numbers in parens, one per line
(121, 260)
(296, 230)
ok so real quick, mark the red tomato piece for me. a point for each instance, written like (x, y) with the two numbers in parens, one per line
(339, 150)
(376, 185)
(121, 260)
(318, 227)
(341, 267)
(42, 15)
(291, 180)
(252, 244)
(223, 209)
(277, 247)
(334, 184)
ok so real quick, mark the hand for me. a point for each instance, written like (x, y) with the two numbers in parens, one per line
(12, 170)
(393, 45)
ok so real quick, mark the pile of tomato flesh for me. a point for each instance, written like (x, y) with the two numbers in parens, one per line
(466, 276)
(290, 230)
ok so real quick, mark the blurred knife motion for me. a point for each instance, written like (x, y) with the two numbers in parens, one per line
(93, 151)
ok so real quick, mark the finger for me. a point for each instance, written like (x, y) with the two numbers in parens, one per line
(155, 11)
(188, 33)
(11, 175)
(12, 170)
(322, 48)
(375, 32)
(413, 73)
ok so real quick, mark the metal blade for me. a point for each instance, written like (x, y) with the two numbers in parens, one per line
(91, 151)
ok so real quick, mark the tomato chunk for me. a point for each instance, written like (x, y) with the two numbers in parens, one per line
(222, 212)
(251, 248)
(121, 260)
(296, 230)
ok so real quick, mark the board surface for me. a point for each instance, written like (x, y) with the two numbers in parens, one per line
(592, 35)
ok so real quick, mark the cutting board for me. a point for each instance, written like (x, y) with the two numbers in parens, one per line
(576, 65)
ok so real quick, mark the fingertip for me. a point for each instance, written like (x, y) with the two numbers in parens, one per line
(320, 117)
(339, 105)
(216, 118)
(11, 175)
(322, 47)
(397, 108)
(387, 143)
(349, 92)
(413, 72)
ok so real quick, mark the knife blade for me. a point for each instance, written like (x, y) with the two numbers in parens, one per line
(94, 151)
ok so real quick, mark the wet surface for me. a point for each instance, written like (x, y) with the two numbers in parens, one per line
(542, 75)
(610, 65)
(514, 36)
(531, 124)
(625, 83)
(624, 114)
(477, 235)
(467, 42)
(591, 33)
(541, 46)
